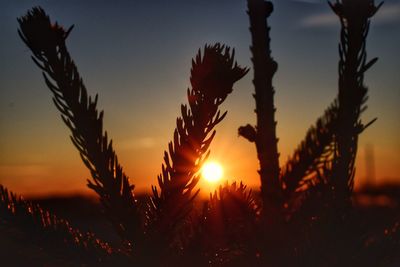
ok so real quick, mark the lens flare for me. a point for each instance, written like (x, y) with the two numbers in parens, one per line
(212, 172)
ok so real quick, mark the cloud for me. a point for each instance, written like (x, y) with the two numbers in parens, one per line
(387, 14)
(138, 143)
(308, 1)
(23, 170)
(319, 21)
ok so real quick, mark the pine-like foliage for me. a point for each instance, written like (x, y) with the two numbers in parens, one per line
(310, 156)
(355, 19)
(230, 222)
(308, 203)
(303, 215)
(57, 236)
(80, 114)
(225, 232)
(212, 77)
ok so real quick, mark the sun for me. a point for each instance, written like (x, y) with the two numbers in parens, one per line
(212, 172)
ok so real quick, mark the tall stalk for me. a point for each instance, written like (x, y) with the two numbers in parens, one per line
(264, 134)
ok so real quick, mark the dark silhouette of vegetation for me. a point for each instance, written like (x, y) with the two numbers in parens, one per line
(264, 68)
(212, 77)
(304, 215)
(79, 112)
(54, 234)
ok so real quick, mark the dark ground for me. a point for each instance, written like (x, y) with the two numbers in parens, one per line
(379, 206)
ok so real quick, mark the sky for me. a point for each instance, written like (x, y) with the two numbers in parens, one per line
(137, 55)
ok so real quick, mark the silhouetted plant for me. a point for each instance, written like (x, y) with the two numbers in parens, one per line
(79, 112)
(313, 190)
(264, 134)
(55, 235)
(304, 216)
(230, 225)
(212, 78)
(354, 18)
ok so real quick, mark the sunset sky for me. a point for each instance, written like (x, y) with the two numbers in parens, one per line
(137, 54)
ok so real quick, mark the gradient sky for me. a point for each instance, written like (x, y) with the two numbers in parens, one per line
(136, 55)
